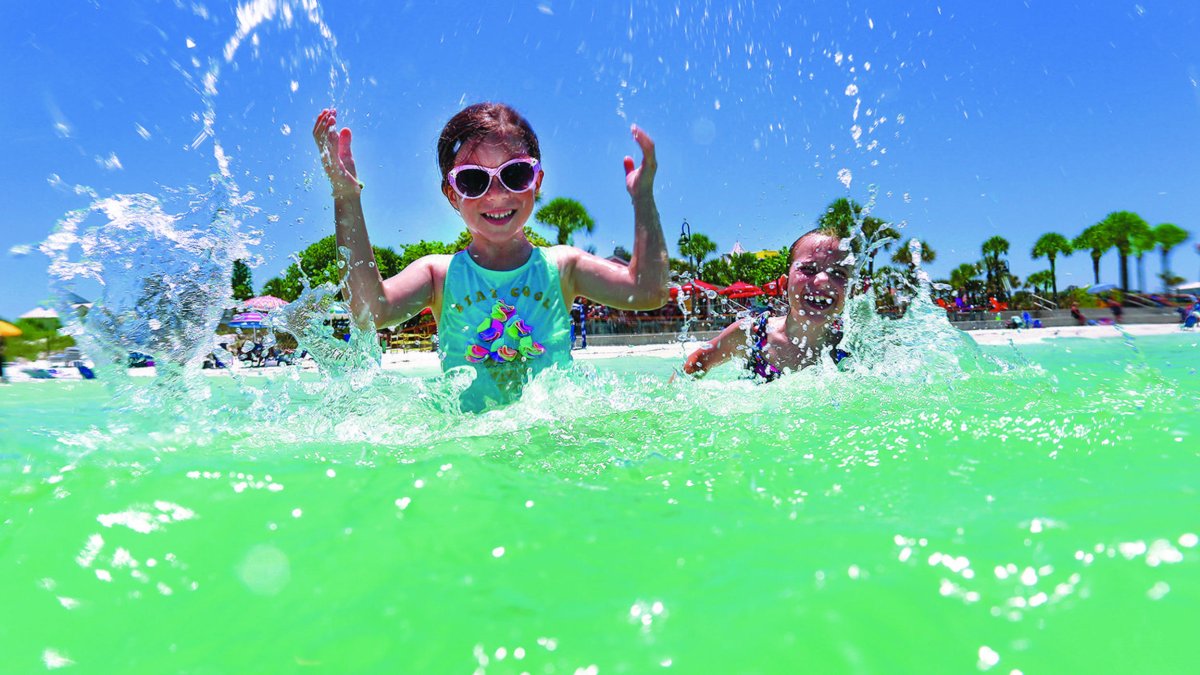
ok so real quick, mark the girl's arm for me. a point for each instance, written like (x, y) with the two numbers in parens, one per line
(643, 284)
(403, 295)
(716, 351)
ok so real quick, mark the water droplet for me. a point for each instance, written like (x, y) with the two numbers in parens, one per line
(852, 89)
(987, 657)
(845, 177)
(285, 130)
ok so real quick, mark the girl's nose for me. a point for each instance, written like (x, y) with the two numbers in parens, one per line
(496, 187)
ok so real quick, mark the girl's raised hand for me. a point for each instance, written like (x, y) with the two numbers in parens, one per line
(335, 154)
(640, 180)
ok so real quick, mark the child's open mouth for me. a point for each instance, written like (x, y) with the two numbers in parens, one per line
(818, 302)
(499, 217)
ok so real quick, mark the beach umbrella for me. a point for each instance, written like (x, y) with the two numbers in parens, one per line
(248, 320)
(265, 303)
(8, 330)
(696, 286)
(39, 313)
(1101, 288)
(741, 289)
(776, 287)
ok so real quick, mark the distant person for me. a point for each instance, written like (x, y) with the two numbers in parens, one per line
(816, 293)
(579, 322)
(1080, 319)
(1191, 316)
(500, 305)
(1117, 311)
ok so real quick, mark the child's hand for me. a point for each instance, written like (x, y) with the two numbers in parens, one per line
(640, 181)
(335, 154)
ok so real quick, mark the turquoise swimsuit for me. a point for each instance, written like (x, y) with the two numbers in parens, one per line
(508, 326)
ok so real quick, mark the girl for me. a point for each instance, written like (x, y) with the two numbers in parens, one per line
(816, 294)
(500, 305)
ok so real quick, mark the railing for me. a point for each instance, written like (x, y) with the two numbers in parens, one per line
(1043, 303)
(629, 325)
(1140, 300)
(411, 342)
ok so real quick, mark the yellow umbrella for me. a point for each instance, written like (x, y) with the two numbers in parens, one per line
(8, 330)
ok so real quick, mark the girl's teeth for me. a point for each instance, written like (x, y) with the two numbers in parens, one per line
(501, 215)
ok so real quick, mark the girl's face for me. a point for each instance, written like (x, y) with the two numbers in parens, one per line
(818, 278)
(498, 215)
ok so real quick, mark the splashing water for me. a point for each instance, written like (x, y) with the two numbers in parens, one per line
(361, 522)
(162, 277)
(158, 268)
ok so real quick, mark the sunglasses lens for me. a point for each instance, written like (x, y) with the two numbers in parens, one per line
(517, 177)
(472, 182)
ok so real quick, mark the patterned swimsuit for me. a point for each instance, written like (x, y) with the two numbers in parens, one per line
(760, 369)
(506, 325)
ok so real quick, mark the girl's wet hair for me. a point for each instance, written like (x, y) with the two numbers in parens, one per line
(478, 121)
(823, 230)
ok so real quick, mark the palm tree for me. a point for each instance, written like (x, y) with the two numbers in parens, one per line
(1041, 281)
(994, 265)
(697, 247)
(1143, 242)
(879, 235)
(964, 277)
(843, 215)
(903, 254)
(846, 217)
(1168, 236)
(1124, 227)
(566, 216)
(1050, 246)
(1097, 241)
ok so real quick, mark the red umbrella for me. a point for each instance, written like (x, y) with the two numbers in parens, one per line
(741, 289)
(776, 287)
(694, 286)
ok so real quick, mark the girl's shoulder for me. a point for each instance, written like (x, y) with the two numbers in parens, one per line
(561, 254)
(436, 261)
(435, 264)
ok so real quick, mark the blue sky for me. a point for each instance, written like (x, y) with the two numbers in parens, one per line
(974, 119)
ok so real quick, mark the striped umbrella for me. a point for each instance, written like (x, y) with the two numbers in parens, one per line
(248, 320)
(265, 303)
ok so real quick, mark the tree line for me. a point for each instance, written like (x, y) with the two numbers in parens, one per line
(1123, 231)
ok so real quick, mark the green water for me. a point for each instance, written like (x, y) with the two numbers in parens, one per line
(1040, 518)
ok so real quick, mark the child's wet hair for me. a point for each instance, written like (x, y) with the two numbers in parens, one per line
(824, 230)
(479, 121)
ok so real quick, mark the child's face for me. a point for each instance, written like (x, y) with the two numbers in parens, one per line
(818, 278)
(498, 215)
